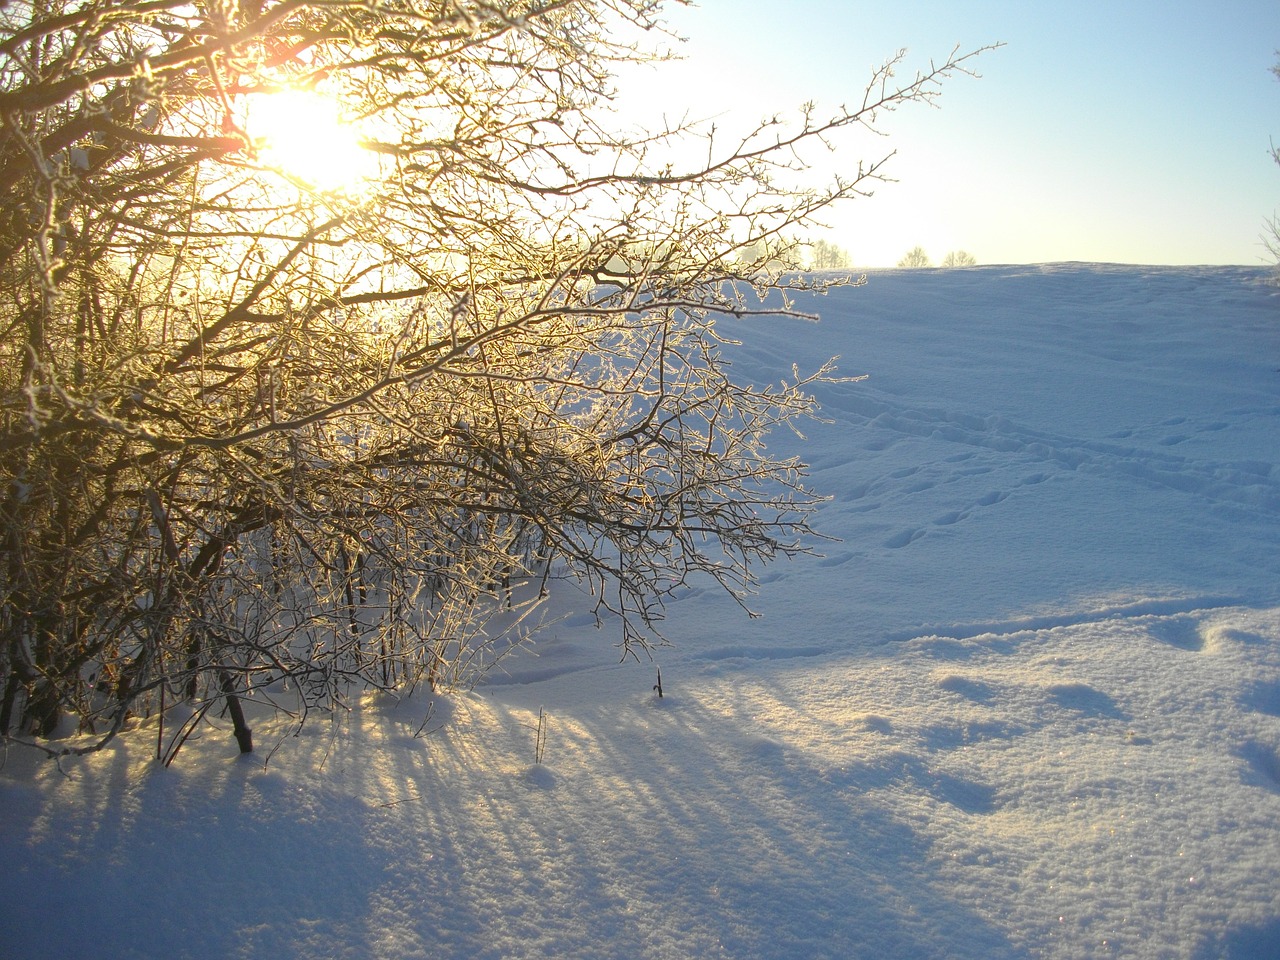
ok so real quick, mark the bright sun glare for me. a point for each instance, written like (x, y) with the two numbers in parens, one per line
(303, 134)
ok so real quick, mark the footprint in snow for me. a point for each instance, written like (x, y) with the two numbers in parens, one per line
(1180, 632)
(836, 559)
(967, 687)
(1085, 699)
(1263, 763)
(1264, 697)
(905, 538)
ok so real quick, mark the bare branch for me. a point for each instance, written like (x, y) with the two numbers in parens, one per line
(267, 439)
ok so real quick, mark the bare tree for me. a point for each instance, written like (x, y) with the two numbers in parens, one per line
(959, 258)
(275, 431)
(1271, 234)
(915, 257)
(825, 255)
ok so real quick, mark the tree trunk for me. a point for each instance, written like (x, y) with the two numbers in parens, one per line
(244, 736)
(6, 706)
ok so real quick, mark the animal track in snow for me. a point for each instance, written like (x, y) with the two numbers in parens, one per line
(1084, 699)
(1264, 698)
(1182, 632)
(978, 691)
(951, 517)
(906, 537)
(1263, 762)
(1121, 453)
(836, 559)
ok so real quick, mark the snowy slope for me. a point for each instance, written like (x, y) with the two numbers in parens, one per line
(1028, 706)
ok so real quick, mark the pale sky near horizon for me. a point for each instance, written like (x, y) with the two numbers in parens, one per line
(1129, 131)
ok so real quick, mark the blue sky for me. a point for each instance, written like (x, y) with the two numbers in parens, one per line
(1119, 131)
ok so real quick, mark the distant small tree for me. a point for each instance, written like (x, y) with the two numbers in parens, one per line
(959, 258)
(915, 257)
(824, 255)
(1271, 235)
(751, 253)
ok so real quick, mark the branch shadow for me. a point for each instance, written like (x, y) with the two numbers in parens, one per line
(655, 828)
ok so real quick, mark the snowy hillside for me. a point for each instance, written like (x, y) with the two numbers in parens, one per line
(1028, 705)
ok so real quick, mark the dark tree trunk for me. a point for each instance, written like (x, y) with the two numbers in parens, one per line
(6, 706)
(244, 736)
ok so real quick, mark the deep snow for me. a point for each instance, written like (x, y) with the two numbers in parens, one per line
(1028, 706)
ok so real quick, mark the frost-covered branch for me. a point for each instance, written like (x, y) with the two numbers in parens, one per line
(266, 436)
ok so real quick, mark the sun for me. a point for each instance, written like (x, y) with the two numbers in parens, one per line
(304, 135)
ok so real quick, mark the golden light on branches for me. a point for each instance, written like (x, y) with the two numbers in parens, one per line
(263, 432)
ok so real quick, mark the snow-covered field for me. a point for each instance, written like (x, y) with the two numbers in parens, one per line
(1029, 706)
